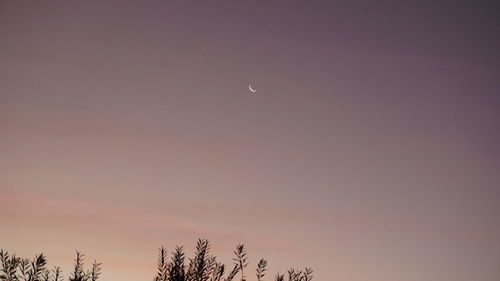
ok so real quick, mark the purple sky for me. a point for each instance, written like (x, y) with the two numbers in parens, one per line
(371, 150)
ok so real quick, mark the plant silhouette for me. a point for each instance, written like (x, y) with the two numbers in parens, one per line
(205, 267)
(241, 259)
(18, 269)
(201, 267)
(261, 269)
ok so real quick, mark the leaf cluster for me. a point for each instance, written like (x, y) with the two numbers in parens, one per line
(205, 267)
(296, 275)
(13, 268)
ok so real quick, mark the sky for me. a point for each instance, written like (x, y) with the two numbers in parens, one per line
(371, 150)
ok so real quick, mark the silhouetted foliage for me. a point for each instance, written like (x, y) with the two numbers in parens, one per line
(162, 273)
(57, 274)
(261, 269)
(177, 269)
(201, 267)
(218, 271)
(37, 268)
(241, 259)
(23, 268)
(308, 274)
(46, 275)
(233, 273)
(205, 267)
(78, 272)
(279, 277)
(96, 271)
(17, 269)
(299, 275)
(9, 266)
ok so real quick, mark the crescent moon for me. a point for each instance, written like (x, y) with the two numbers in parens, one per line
(251, 90)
